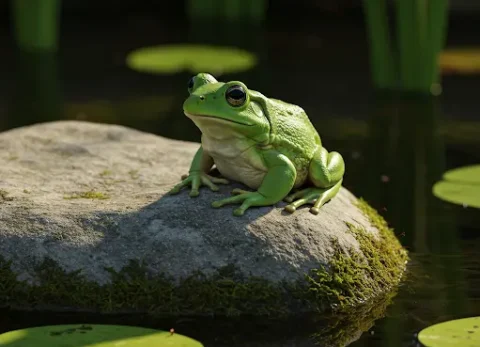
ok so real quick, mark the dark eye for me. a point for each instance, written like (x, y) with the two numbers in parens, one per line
(236, 96)
(191, 82)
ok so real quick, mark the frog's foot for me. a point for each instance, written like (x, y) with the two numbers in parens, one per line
(238, 191)
(196, 180)
(302, 197)
(214, 179)
(247, 199)
(312, 196)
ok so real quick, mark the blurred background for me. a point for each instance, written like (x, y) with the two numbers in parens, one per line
(392, 85)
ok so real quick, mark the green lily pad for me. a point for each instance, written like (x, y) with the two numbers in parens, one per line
(193, 58)
(464, 60)
(87, 335)
(466, 174)
(460, 332)
(460, 186)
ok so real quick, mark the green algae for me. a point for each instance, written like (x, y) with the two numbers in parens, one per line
(354, 278)
(88, 195)
(133, 174)
(105, 173)
(359, 288)
(133, 289)
(4, 195)
(350, 280)
(339, 328)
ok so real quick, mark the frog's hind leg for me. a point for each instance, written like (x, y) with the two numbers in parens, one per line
(326, 173)
(313, 196)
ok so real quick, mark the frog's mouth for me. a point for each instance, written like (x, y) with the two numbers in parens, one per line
(217, 119)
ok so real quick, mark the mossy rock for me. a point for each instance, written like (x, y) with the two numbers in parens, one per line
(123, 245)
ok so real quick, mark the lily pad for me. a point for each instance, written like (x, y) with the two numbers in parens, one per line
(455, 333)
(83, 335)
(193, 58)
(460, 186)
(460, 60)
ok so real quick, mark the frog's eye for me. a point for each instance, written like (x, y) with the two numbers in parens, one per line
(191, 82)
(236, 96)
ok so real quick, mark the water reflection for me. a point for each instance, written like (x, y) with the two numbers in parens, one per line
(336, 330)
(407, 150)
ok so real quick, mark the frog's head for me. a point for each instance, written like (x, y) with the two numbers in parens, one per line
(224, 109)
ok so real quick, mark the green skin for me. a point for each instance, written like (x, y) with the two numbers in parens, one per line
(267, 144)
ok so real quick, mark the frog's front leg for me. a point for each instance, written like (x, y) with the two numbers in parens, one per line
(198, 175)
(326, 173)
(276, 184)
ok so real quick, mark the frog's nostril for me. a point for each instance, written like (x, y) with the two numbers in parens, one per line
(202, 97)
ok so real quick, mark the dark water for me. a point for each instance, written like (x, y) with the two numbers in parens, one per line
(395, 148)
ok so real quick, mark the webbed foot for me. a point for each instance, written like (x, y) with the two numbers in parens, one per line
(312, 196)
(196, 179)
(245, 197)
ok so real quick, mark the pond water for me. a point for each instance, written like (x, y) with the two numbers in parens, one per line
(395, 148)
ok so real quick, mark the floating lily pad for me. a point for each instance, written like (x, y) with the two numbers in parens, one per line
(193, 58)
(460, 186)
(460, 332)
(461, 60)
(86, 335)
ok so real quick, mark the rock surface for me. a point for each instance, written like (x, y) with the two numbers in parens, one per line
(92, 197)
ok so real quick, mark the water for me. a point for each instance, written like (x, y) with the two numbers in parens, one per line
(394, 148)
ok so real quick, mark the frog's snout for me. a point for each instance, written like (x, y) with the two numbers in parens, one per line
(193, 102)
(195, 99)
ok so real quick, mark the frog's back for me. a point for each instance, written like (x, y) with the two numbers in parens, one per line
(293, 129)
(295, 136)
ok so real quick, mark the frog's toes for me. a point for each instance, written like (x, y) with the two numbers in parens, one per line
(238, 212)
(175, 190)
(210, 185)
(194, 193)
(297, 203)
(314, 210)
(238, 191)
(297, 194)
(218, 180)
(217, 204)
(290, 208)
(291, 197)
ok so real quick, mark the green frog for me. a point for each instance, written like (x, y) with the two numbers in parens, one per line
(268, 145)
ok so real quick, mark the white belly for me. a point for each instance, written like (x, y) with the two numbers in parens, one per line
(237, 160)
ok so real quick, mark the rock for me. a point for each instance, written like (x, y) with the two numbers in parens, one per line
(79, 196)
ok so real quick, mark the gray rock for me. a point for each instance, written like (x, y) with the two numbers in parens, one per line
(91, 196)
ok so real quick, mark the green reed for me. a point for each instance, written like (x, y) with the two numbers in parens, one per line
(406, 58)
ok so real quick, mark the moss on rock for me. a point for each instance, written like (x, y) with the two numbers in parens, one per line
(347, 282)
(91, 194)
(4, 195)
(132, 289)
(356, 279)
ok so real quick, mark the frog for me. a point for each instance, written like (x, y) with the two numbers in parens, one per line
(268, 145)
